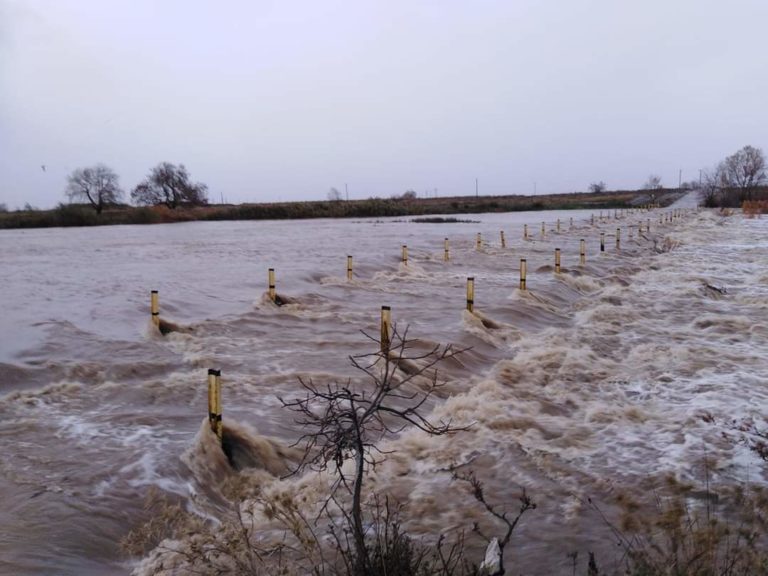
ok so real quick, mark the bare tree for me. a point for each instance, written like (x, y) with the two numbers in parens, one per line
(744, 171)
(714, 187)
(170, 185)
(653, 182)
(342, 421)
(98, 185)
(334, 195)
(597, 187)
(496, 565)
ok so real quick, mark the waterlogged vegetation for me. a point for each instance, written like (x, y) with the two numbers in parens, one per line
(349, 527)
(85, 215)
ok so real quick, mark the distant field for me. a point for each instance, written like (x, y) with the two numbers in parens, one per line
(81, 215)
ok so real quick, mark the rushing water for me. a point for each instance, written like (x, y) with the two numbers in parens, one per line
(594, 380)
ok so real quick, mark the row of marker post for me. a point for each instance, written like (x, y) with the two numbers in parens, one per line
(214, 376)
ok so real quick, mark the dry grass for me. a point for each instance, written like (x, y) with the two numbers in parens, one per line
(754, 208)
(692, 532)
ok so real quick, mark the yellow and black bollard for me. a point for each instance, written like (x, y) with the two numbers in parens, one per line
(525, 231)
(386, 320)
(523, 271)
(618, 238)
(582, 252)
(479, 241)
(154, 307)
(446, 252)
(557, 260)
(602, 241)
(405, 255)
(470, 294)
(503, 241)
(271, 279)
(349, 268)
(214, 402)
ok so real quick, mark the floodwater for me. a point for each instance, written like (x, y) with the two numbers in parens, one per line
(593, 381)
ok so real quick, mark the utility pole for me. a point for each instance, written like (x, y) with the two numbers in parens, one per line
(534, 189)
(680, 179)
(477, 190)
(346, 190)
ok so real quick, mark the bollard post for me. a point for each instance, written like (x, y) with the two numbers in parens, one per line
(582, 252)
(558, 225)
(154, 307)
(271, 285)
(618, 238)
(214, 402)
(212, 399)
(503, 241)
(479, 241)
(571, 223)
(525, 231)
(386, 319)
(543, 230)
(470, 294)
(349, 267)
(630, 231)
(405, 255)
(602, 241)
(446, 253)
(592, 217)
(648, 226)
(523, 270)
(661, 218)
(219, 422)
(557, 260)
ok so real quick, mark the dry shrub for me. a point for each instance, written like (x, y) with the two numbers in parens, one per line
(752, 208)
(693, 532)
(165, 518)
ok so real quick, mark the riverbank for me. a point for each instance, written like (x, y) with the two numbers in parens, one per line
(80, 215)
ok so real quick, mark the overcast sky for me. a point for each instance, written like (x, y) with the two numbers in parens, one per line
(281, 100)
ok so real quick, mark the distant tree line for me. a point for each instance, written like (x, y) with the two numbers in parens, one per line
(737, 179)
(167, 184)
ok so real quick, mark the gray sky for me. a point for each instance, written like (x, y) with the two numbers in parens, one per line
(280, 100)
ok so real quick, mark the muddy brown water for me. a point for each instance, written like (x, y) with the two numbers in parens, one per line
(591, 382)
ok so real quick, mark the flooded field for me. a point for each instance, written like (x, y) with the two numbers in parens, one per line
(599, 379)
